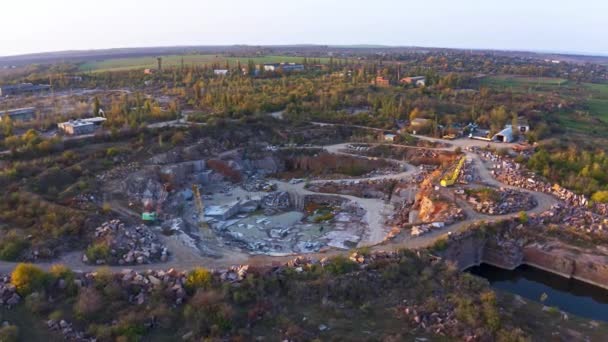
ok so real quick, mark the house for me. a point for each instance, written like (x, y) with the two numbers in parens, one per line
(286, 67)
(19, 114)
(149, 71)
(389, 137)
(522, 125)
(418, 81)
(419, 122)
(381, 82)
(23, 88)
(220, 72)
(81, 126)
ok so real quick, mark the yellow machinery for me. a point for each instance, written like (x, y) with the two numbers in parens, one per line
(198, 200)
(450, 180)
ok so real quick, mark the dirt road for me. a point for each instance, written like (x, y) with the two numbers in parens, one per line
(376, 211)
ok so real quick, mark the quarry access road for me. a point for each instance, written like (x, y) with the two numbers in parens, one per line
(375, 210)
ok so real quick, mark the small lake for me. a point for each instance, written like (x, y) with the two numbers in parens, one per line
(569, 295)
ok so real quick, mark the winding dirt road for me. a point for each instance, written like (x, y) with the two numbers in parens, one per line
(376, 211)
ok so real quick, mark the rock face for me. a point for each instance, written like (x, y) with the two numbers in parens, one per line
(509, 251)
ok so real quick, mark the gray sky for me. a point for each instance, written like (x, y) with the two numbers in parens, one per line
(538, 25)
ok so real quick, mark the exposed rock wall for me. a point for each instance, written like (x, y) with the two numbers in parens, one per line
(568, 261)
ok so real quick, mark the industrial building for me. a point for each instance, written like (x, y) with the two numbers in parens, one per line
(19, 114)
(23, 88)
(81, 126)
(286, 67)
(220, 72)
(506, 135)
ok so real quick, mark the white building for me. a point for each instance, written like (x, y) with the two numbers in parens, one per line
(81, 126)
(220, 72)
(506, 135)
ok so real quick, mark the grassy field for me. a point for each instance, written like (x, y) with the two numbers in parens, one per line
(524, 83)
(118, 64)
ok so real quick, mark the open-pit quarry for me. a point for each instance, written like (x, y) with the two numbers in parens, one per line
(261, 200)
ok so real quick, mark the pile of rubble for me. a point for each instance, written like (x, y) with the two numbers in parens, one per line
(425, 228)
(128, 245)
(576, 217)
(575, 210)
(366, 189)
(277, 200)
(255, 184)
(120, 172)
(468, 174)
(441, 322)
(439, 211)
(8, 293)
(508, 201)
(67, 330)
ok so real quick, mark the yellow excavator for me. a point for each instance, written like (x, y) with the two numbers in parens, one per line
(453, 177)
(200, 208)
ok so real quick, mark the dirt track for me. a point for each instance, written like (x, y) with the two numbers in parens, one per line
(375, 217)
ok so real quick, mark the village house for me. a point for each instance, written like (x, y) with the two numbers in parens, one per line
(418, 81)
(381, 82)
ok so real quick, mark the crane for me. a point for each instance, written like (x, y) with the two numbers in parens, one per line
(200, 208)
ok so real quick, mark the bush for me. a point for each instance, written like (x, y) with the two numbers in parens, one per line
(89, 302)
(440, 244)
(97, 251)
(340, 265)
(600, 197)
(523, 217)
(10, 250)
(9, 333)
(106, 208)
(28, 278)
(198, 278)
(178, 138)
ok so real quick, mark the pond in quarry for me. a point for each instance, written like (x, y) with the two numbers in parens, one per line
(569, 295)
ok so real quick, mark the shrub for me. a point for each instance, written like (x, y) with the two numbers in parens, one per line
(523, 217)
(97, 251)
(28, 278)
(89, 302)
(198, 278)
(106, 208)
(206, 312)
(9, 333)
(340, 265)
(11, 249)
(112, 152)
(600, 197)
(178, 138)
(440, 244)
(490, 310)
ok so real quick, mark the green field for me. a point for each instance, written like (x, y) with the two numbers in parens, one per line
(524, 83)
(118, 64)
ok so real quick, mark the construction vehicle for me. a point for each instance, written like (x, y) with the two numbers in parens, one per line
(151, 211)
(453, 177)
(148, 215)
(200, 208)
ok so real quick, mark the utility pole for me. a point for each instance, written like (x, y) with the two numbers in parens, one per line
(160, 63)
